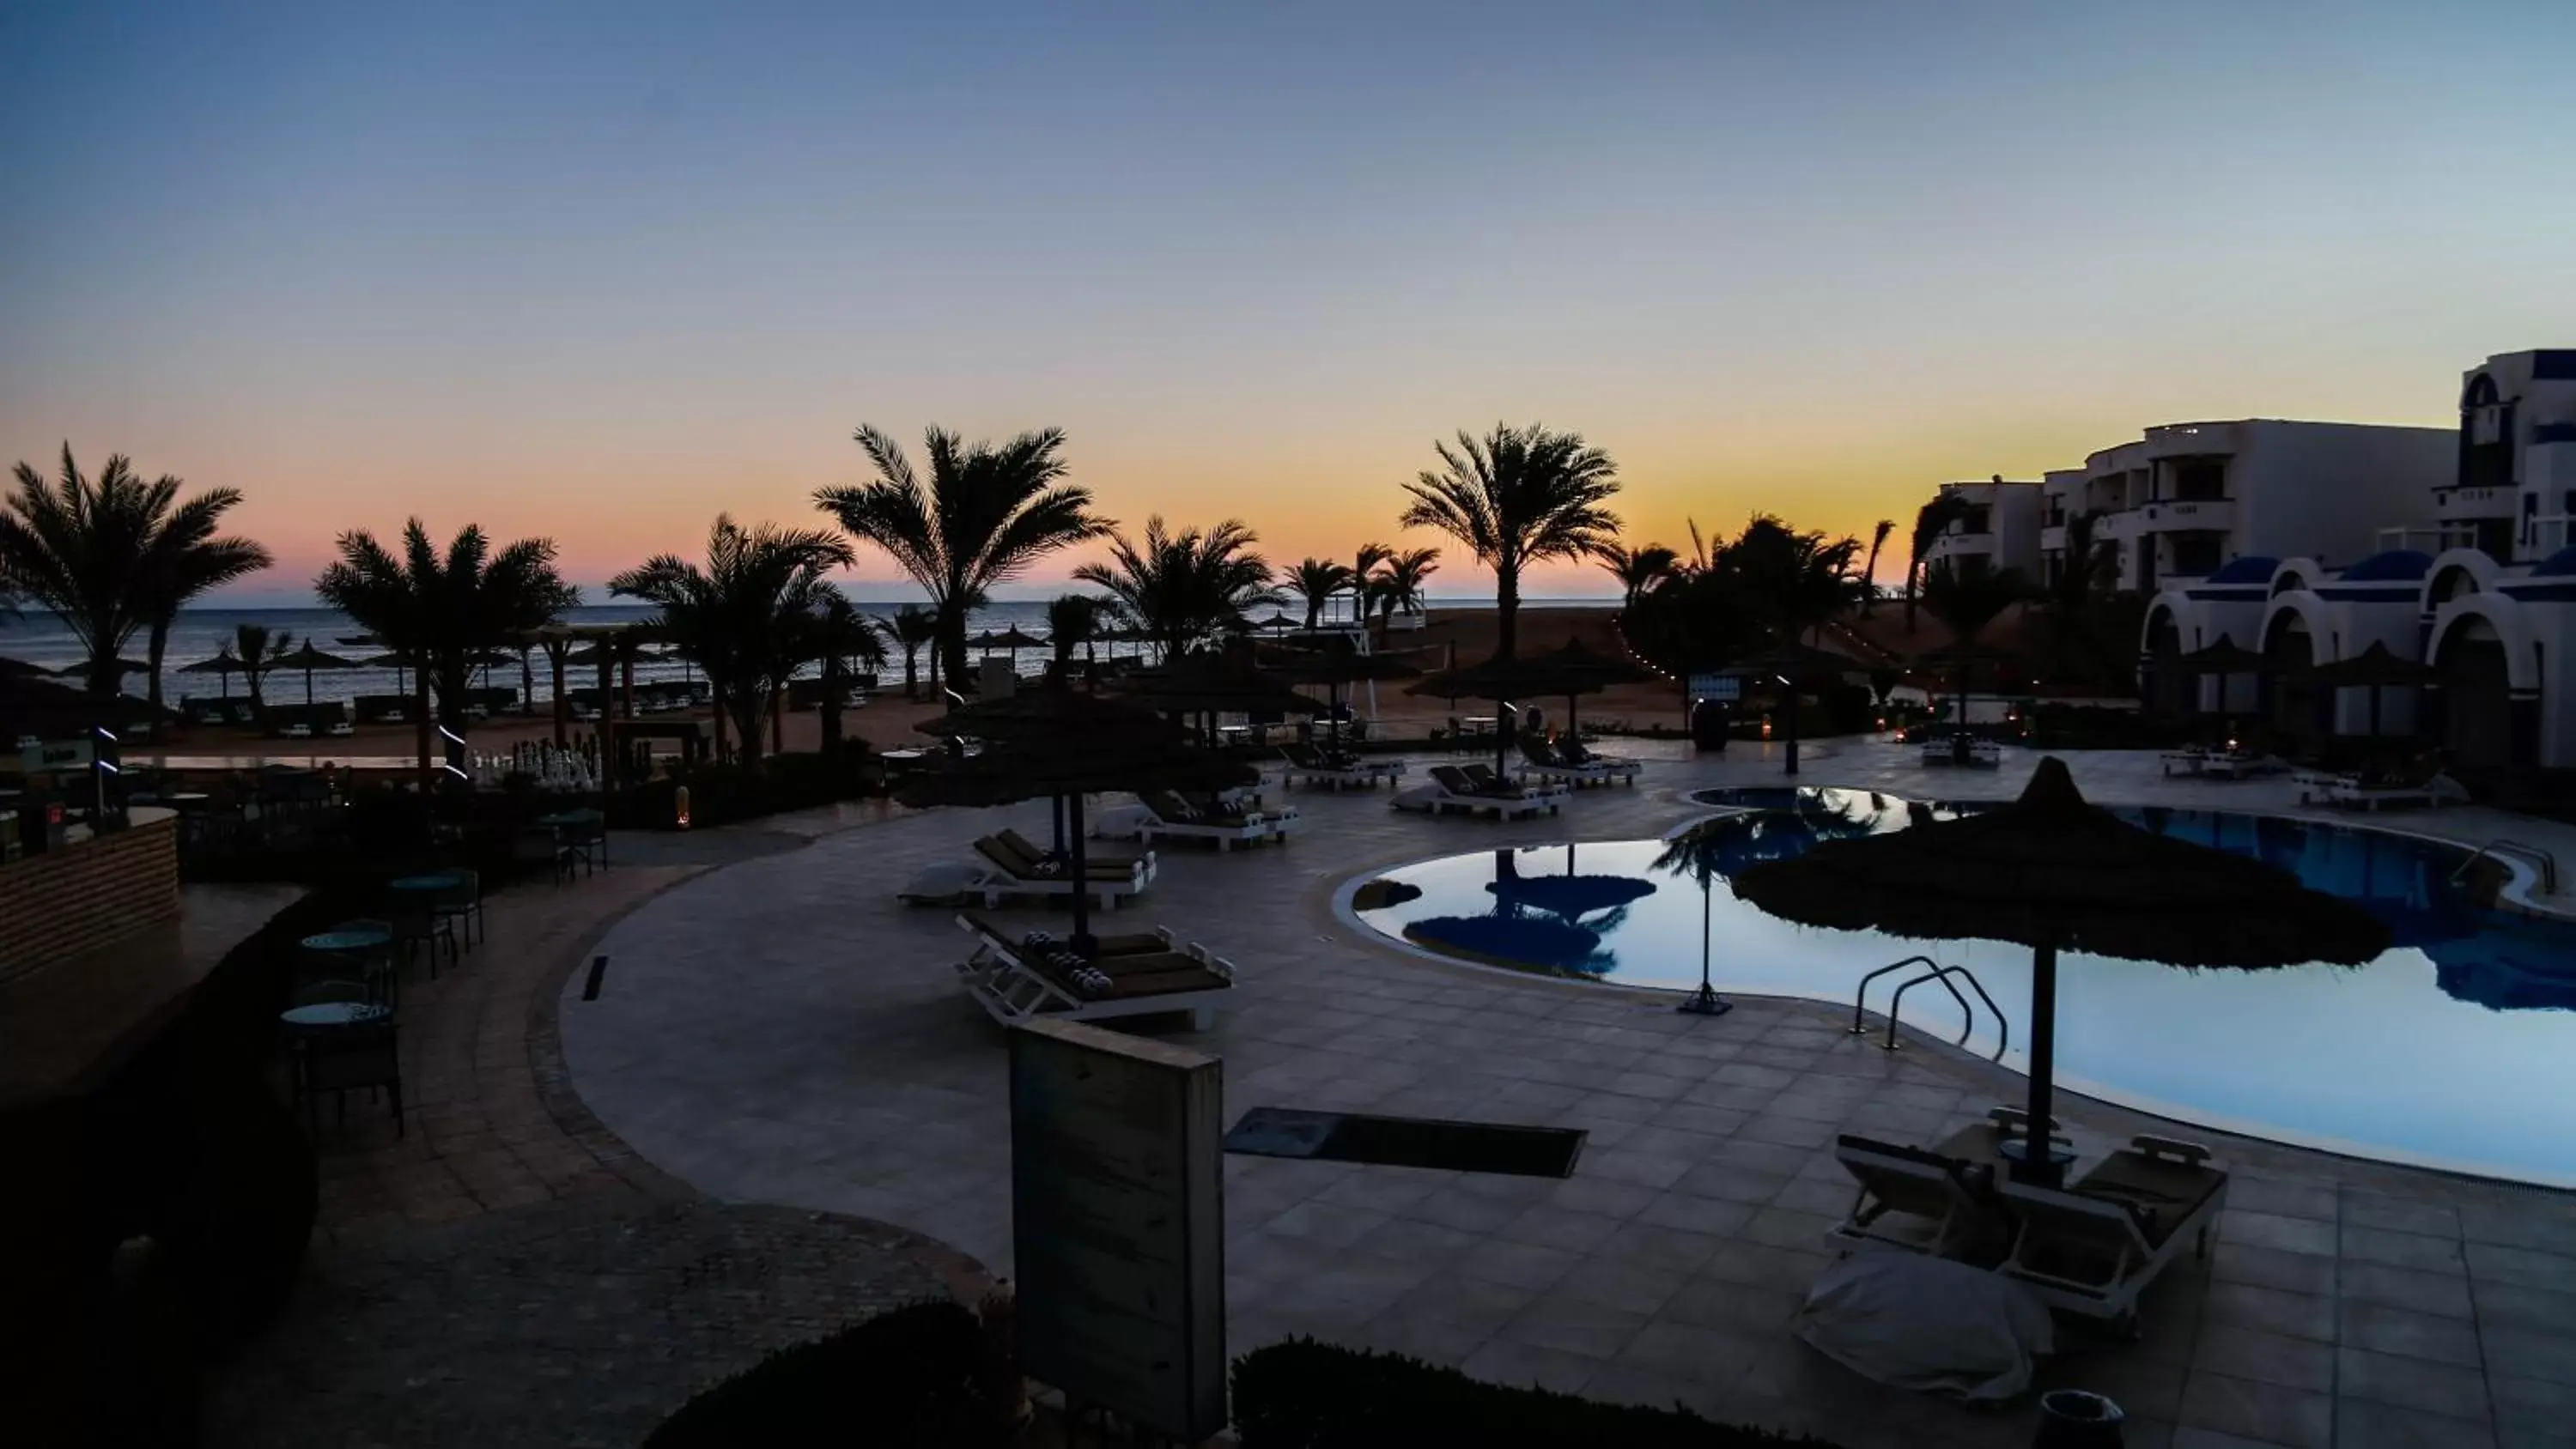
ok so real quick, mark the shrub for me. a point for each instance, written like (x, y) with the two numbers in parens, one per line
(1307, 1395)
(722, 794)
(913, 1378)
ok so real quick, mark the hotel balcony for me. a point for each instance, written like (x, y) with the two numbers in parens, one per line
(2185, 440)
(2208, 515)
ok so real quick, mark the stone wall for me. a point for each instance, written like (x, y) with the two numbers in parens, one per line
(66, 902)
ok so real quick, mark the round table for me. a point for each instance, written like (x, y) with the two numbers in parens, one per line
(431, 881)
(335, 1013)
(371, 938)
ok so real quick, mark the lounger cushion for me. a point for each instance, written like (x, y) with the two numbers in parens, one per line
(2160, 1193)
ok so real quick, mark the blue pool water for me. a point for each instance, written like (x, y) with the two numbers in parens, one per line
(2456, 1048)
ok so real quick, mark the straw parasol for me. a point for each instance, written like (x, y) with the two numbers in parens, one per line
(1570, 895)
(2374, 669)
(1333, 660)
(309, 659)
(1053, 742)
(1226, 682)
(224, 666)
(2224, 657)
(1012, 639)
(1575, 660)
(1503, 681)
(2053, 873)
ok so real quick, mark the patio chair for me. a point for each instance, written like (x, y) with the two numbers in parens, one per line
(461, 906)
(1947, 1202)
(2093, 1246)
(584, 838)
(343, 1059)
(417, 924)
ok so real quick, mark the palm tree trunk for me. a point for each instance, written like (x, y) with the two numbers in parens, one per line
(421, 722)
(777, 721)
(831, 704)
(527, 682)
(1507, 605)
(952, 643)
(158, 645)
(563, 708)
(911, 672)
(722, 704)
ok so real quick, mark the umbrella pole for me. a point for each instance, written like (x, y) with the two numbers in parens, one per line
(1705, 1001)
(1083, 944)
(1057, 810)
(2035, 1163)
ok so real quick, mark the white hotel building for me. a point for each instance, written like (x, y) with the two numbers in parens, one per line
(2311, 542)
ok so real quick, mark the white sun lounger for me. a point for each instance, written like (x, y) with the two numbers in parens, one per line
(1941, 1201)
(1356, 774)
(1146, 975)
(1000, 870)
(2093, 1246)
(1448, 790)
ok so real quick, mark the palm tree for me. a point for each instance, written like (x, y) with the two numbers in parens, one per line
(840, 638)
(914, 627)
(1878, 533)
(1365, 565)
(443, 611)
(1398, 582)
(1072, 619)
(739, 616)
(1966, 604)
(259, 650)
(1179, 589)
(1930, 522)
(1316, 581)
(2085, 644)
(1793, 582)
(1637, 569)
(1516, 497)
(183, 561)
(116, 554)
(986, 514)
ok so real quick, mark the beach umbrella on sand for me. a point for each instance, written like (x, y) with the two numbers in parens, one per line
(1334, 660)
(2053, 873)
(1575, 660)
(309, 659)
(224, 666)
(2374, 669)
(1054, 742)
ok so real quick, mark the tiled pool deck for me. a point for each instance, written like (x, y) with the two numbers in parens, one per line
(782, 1031)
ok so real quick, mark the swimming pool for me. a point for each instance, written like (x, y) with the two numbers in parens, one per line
(2456, 1048)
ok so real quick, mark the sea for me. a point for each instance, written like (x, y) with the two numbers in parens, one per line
(40, 639)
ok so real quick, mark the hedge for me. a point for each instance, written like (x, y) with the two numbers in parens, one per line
(1302, 1394)
(917, 1377)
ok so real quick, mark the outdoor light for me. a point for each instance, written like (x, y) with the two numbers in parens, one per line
(680, 807)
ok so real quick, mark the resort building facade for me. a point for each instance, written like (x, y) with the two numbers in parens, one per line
(2468, 573)
(1999, 530)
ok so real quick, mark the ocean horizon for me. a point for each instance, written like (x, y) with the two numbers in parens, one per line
(38, 637)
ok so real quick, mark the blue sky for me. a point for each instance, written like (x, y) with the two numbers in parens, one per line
(596, 271)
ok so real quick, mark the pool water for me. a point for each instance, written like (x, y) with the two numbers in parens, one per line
(2456, 1048)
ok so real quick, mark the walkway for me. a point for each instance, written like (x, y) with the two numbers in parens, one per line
(505, 1271)
(783, 1032)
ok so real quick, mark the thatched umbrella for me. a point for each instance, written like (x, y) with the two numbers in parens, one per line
(1333, 661)
(223, 666)
(2374, 669)
(1787, 665)
(1225, 682)
(2224, 657)
(1052, 742)
(2052, 872)
(309, 659)
(1576, 661)
(399, 663)
(1503, 681)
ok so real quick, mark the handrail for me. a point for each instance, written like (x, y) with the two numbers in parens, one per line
(1861, 995)
(1942, 974)
(2548, 862)
(1935, 972)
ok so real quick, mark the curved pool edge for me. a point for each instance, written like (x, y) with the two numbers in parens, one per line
(2517, 894)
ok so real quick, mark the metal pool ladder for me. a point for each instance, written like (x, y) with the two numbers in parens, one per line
(1932, 971)
(2547, 862)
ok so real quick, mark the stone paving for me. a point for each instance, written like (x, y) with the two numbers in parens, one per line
(782, 1031)
(505, 1271)
(581, 1323)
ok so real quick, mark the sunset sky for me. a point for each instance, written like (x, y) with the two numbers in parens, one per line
(596, 271)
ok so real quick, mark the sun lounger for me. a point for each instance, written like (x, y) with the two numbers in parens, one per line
(1944, 750)
(1487, 782)
(1096, 861)
(1001, 870)
(2363, 791)
(1165, 815)
(1944, 1204)
(1545, 761)
(2184, 761)
(1449, 789)
(1035, 975)
(2094, 1245)
(1336, 772)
